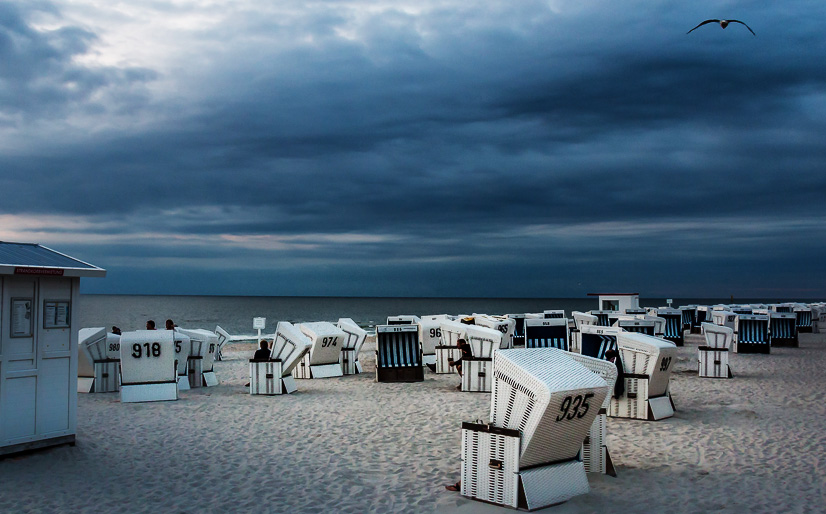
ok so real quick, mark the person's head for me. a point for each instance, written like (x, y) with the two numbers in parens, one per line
(170, 325)
(460, 342)
(610, 355)
(115, 330)
(263, 345)
(150, 325)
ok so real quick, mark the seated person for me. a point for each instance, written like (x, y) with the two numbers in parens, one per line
(462, 345)
(150, 325)
(115, 330)
(262, 353)
(170, 325)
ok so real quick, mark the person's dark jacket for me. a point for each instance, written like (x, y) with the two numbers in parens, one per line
(261, 354)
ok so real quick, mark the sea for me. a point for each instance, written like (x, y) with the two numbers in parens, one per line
(235, 313)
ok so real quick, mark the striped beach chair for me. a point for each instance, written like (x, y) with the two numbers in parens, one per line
(398, 354)
(804, 319)
(547, 333)
(603, 317)
(783, 329)
(673, 325)
(751, 334)
(639, 326)
(581, 319)
(550, 314)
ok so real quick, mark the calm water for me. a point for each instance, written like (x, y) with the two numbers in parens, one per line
(235, 313)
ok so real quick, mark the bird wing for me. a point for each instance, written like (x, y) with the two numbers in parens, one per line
(703, 23)
(743, 24)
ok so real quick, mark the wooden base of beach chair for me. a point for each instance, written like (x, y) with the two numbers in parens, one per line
(713, 362)
(400, 374)
(490, 472)
(85, 384)
(444, 356)
(210, 380)
(477, 375)
(636, 404)
(265, 377)
(131, 393)
(183, 383)
(107, 379)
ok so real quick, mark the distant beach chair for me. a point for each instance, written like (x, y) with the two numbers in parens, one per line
(183, 348)
(504, 325)
(595, 455)
(223, 338)
(555, 313)
(539, 395)
(783, 329)
(100, 370)
(804, 319)
(547, 333)
(603, 317)
(430, 336)
(782, 307)
(713, 357)
(355, 337)
(581, 319)
(518, 329)
(673, 325)
(203, 344)
(723, 318)
(689, 318)
(477, 370)
(323, 359)
(147, 361)
(403, 319)
(274, 376)
(398, 354)
(632, 324)
(751, 334)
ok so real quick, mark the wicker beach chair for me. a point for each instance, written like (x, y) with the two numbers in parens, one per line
(430, 336)
(147, 361)
(581, 319)
(633, 324)
(183, 348)
(542, 407)
(355, 337)
(751, 334)
(96, 362)
(647, 364)
(398, 354)
(804, 318)
(504, 325)
(713, 357)
(201, 359)
(275, 376)
(555, 313)
(323, 359)
(783, 328)
(547, 333)
(223, 338)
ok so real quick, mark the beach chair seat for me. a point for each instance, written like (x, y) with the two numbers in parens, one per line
(603, 317)
(673, 325)
(539, 395)
(265, 377)
(147, 360)
(713, 356)
(751, 334)
(398, 354)
(354, 340)
(555, 313)
(547, 333)
(477, 370)
(783, 329)
(95, 362)
(323, 359)
(223, 338)
(200, 362)
(581, 319)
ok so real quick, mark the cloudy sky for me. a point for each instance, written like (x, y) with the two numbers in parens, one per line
(419, 148)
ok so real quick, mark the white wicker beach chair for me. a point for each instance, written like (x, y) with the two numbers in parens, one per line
(542, 407)
(403, 319)
(751, 334)
(547, 333)
(274, 376)
(355, 337)
(581, 319)
(183, 348)
(94, 351)
(325, 353)
(201, 359)
(147, 361)
(398, 354)
(477, 370)
(430, 336)
(713, 357)
(633, 324)
(223, 338)
(502, 324)
(447, 352)
(723, 318)
(595, 453)
(647, 363)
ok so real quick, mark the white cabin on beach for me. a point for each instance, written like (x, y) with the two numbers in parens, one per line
(39, 289)
(617, 301)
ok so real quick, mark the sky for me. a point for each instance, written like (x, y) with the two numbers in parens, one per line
(453, 148)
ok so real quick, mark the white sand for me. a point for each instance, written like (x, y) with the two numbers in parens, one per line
(756, 443)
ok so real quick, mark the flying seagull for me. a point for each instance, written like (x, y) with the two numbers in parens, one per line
(723, 24)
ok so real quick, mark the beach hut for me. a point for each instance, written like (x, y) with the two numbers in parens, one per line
(751, 334)
(543, 404)
(547, 333)
(147, 363)
(783, 329)
(274, 376)
(595, 455)
(39, 290)
(398, 354)
(713, 357)
(355, 337)
(619, 302)
(322, 361)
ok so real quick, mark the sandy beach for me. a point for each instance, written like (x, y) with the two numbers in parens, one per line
(751, 444)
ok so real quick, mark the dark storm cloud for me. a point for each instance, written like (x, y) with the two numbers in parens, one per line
(451, 138)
